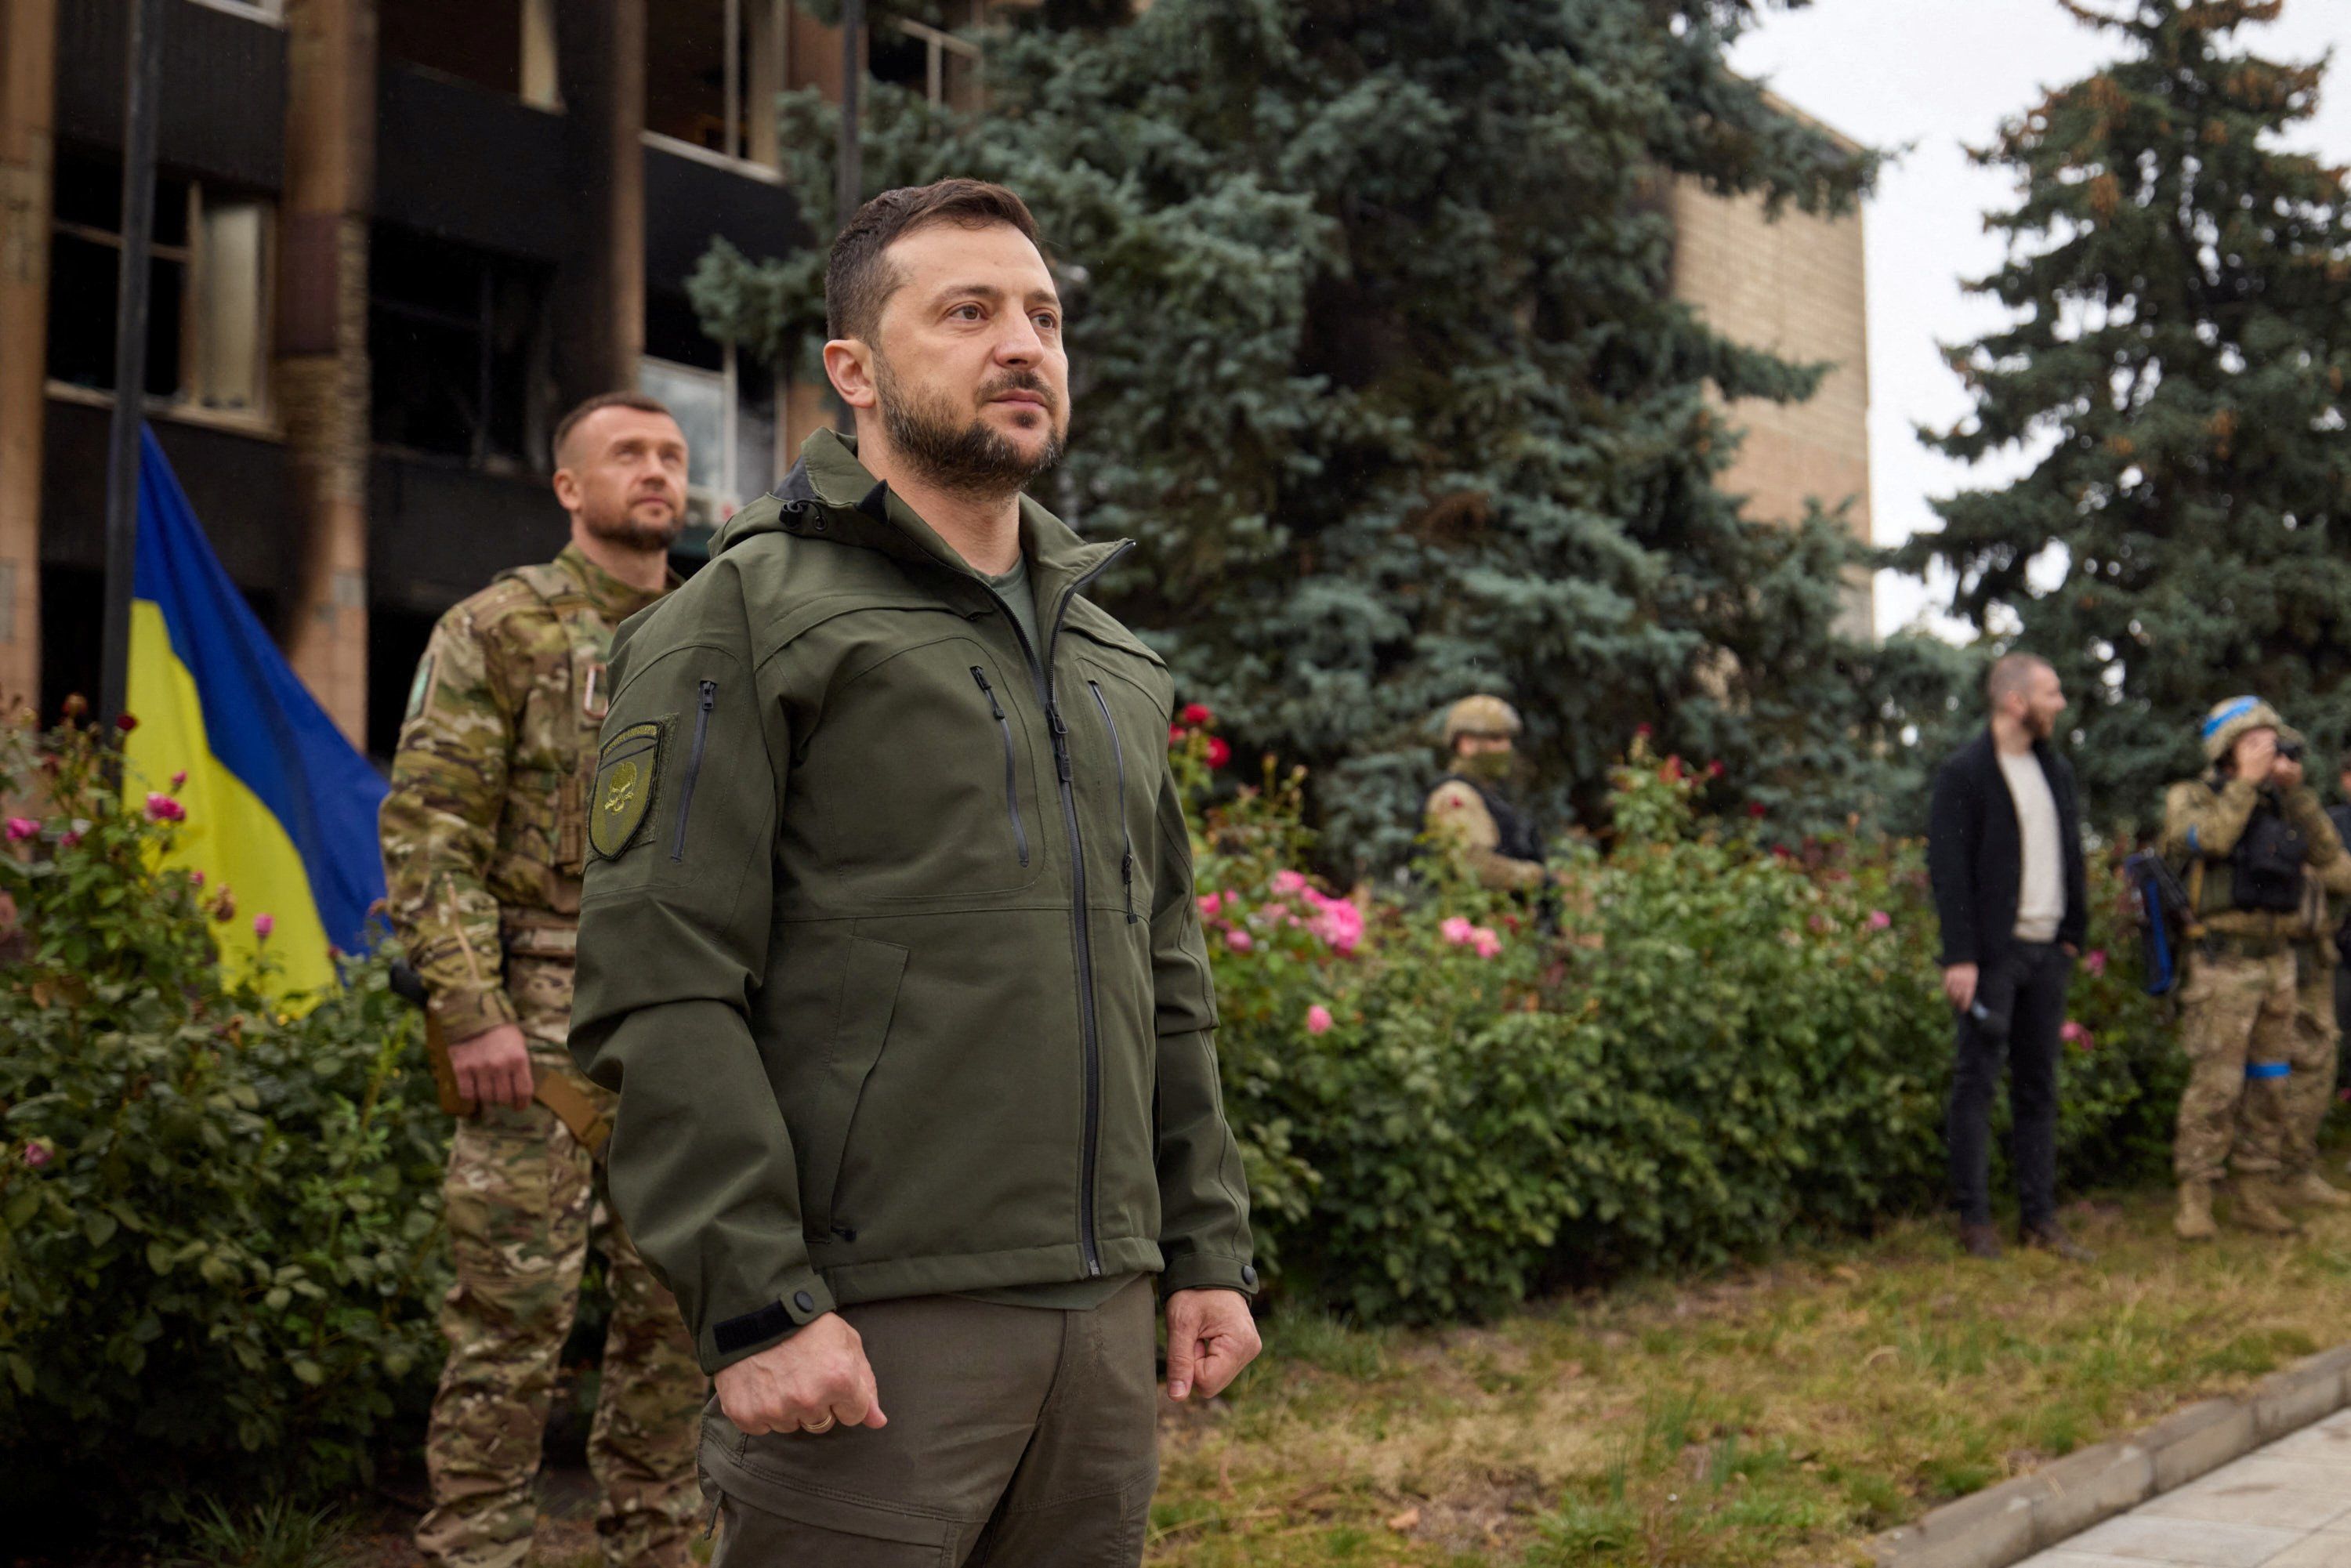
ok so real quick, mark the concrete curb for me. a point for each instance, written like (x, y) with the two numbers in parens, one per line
(2007, 1523)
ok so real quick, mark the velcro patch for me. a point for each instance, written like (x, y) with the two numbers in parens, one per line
(628, 768)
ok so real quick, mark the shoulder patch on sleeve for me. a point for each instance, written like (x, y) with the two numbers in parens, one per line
(628, 769)
(422, 688)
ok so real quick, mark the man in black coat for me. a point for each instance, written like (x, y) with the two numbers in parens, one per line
(2004, 851)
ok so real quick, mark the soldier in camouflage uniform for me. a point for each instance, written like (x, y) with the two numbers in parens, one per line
(2256, 1018)
(1493, 840)
(483, 842)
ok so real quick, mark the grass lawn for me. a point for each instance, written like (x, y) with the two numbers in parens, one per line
(1776, 1417)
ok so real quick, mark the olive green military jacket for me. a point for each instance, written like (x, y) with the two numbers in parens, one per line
(2202, 822)
(485, 830)
(889, 943)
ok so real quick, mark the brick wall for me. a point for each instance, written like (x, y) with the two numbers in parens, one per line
(1794, 286)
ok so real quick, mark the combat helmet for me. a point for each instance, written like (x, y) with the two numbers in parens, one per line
(2230, 720)
(1480, 714)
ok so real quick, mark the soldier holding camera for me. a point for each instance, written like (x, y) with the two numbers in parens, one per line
(2257, 1012)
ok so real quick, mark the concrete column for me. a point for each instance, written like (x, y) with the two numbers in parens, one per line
(322, 363)
(28, 61)
(601, 288)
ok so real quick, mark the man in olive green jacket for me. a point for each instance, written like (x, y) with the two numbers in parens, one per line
(890, 947)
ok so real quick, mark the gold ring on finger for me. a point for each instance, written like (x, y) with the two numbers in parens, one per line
(820, 1427)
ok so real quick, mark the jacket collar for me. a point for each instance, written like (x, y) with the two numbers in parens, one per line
(860, 510)
(613, 598)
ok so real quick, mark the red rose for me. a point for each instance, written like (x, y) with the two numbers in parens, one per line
(1754, 808)
(125, 722)
(1218, 752)
(1197, 713)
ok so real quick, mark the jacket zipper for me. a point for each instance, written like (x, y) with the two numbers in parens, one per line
(1011, 771)
(1125, 831)
(1040, 667)
(693, 768)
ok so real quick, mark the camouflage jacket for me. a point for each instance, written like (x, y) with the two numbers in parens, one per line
(484, 831)
(2202, 820)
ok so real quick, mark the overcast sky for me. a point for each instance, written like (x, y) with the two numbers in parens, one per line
(1937, 75)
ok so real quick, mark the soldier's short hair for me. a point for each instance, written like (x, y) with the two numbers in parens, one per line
(643, 402)
(858, 282)
(2013, 673)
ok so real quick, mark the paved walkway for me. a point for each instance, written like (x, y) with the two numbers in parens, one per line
(2285, 1506)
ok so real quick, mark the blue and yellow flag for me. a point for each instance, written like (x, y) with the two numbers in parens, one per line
(280, 808)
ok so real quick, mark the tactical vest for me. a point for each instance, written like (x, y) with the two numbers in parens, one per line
(586, 694)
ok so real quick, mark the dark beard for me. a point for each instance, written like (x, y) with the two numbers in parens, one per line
(970, 459)
(630, 534)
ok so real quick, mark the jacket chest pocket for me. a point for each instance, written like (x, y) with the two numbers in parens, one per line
(921, 781)
(1119, 734)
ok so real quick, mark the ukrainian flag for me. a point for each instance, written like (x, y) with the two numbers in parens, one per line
(280, 808)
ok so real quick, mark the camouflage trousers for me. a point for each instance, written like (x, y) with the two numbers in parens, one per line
(2261, 1039)
(524, 1204)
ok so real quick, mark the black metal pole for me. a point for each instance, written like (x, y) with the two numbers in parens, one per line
(851, 175)
(141, 90)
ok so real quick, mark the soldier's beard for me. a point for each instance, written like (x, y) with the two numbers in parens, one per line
(626, 531)
(971, 457)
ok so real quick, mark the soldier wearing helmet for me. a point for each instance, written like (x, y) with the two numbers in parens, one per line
(2257, 1015)
(1488, 836)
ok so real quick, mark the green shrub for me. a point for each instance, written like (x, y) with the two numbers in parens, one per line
(1723, 1043)
(219, 1217)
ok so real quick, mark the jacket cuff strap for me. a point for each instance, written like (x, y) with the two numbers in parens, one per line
(462, 1015)
(1201, 1271)
(802, 1299)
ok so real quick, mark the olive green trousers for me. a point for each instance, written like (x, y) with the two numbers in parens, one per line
(1018, 1436)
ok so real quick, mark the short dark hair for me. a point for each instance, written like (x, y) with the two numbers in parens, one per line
(856, 282)
(643, 402)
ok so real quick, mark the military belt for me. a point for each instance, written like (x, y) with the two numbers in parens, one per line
(2224, 944)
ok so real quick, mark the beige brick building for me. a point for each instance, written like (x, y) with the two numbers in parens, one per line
(1794, 286)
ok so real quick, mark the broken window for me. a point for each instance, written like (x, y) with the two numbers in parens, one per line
(207, 309)
(456, 340)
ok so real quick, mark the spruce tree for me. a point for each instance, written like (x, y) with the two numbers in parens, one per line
(2177, 362)
(1376, 356)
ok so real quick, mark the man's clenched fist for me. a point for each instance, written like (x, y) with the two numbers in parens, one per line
(814, 1379)
(1210, 1337)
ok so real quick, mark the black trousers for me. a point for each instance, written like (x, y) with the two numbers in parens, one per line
(2027, 986)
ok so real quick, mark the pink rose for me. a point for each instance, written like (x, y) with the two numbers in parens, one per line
(179, 779)
(22, 828)
(262, 925)
(37, 1152)
(1318, 1019)
(195, 879)
(1210, 902)
(1485, 941)
(1879, 920)
(1240, 941)
(2095, 960)
(163, 809)
(2074, 1035)
(1336, 920)
(1288, 882)
(70, 838)
(1455, 930)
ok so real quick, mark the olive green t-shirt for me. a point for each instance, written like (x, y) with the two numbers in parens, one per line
(1068, 1295)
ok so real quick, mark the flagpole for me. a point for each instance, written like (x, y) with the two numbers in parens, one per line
(143, 87)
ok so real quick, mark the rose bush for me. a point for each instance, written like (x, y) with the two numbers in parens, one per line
(1722, 1043)
(220, 1245)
